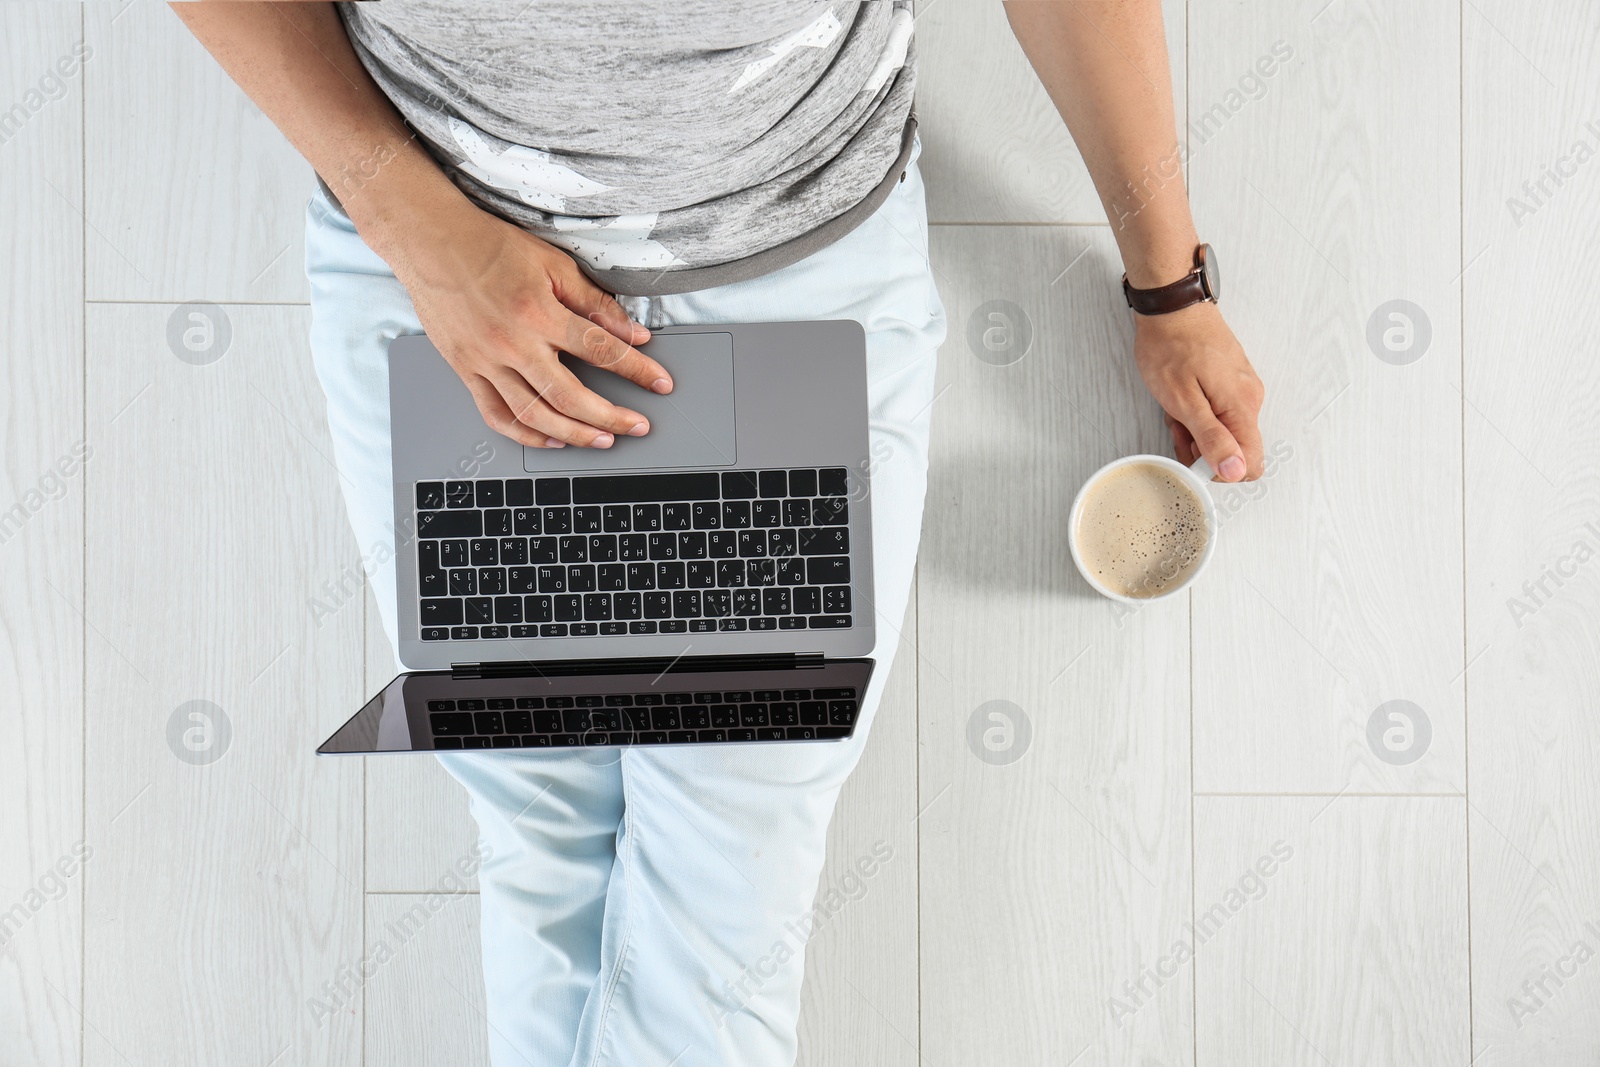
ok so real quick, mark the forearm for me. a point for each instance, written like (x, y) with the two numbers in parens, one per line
(296, 63)
(1104, 64)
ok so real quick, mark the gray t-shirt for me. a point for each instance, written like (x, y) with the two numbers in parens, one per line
(668, 147)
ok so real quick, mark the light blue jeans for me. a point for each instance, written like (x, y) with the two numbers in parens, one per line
(634, 900)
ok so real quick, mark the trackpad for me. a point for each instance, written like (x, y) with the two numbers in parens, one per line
(692, 426)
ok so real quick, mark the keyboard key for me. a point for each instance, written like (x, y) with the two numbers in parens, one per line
(766, 513)
(616, 518)
(747, 602)
(497, 523)
(583, 629)
(686, 605)
(553, 629)
(742, 734)
(828, 570)
(800, 733)
(580, 578)
(841, 712)
(507, 609)
(475, 742)
(653, 737)
(836, 600)
(569, 607)
(702, 626)
(738, 484)
(491, 581)
(707, 516)
(773, 483)
(752, 543)
(701, 574)
(530, 702)
(603, 548)
(696, 717)
(769, 733)
(677, 516)
(488, 722)
(633, 488)
(480, 611)
(451, 724)
(830, 541)
(735, 514)
(491, 493)
(670, 576)
(560, 702)
(763, 622)
(692, 545)
(524, 631)
(807, 601)
(552, 579)
(441, 705)
(641, 576)
(643, 627)
(597, 607)
(522, 579)
(612, 629)
(713, 735)
(658, 605)
(547, 722)
(724, 715)
(665, 719)
(526, 521)
(612, 577)
(505, 741)
(830, 622)
(762, 572)
(730, 573)
(621, 701)
(792, 571)
(814, 713)
(463, 582)
(680, 737)
(463, 633)
(447, 742)
(430, 496)
(542, 549)
(647, 518)
(586, 520)
(554, 491)
(830, 511)
(785, 714)
(458, 494)
(450, 524)
(513, 550)
(803, 483)
(557, 520)
(727, 625)
(663, 546)
(627, 605)
(573, 549)
(833, 481)
(753, 715)
(797, 513)
(775, 601)
(519, 492)
(435, 633)
(485, 552)
(716, 603)
(722, 544)
(634, 546)
(537, 608)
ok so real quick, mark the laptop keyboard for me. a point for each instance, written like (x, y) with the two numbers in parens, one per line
(644, 718)
(613, 555)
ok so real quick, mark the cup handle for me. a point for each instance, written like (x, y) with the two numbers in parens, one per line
(1202, 469)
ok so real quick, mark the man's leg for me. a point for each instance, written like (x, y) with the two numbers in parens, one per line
(721, 848)
(548, 823)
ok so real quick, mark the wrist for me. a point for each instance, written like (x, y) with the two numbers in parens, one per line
(1159, 263)
(401, 201)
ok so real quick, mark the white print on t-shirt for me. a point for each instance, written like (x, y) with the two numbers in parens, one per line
(619, 241)
(820, 34)
(894, 49)
(534, 177)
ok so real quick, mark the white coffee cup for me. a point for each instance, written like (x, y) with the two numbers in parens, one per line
(1197, 477)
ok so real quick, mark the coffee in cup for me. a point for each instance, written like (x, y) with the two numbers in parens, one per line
(1142, 528)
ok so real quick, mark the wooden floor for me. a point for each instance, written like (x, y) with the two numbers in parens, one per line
(1205, 844)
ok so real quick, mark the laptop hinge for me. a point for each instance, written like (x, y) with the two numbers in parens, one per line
(650, 665)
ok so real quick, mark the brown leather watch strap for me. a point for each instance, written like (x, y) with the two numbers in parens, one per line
(1190, 289)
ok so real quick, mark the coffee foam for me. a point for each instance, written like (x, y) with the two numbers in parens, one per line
(1142, 530)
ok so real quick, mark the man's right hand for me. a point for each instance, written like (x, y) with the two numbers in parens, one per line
(500, 304)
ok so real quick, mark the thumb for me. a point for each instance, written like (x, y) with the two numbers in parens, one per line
(1213, 440)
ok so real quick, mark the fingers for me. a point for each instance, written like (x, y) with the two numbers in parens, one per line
(601, 333)
(1211, 437)
(1182, 442)
(550, 411)
(499, 418)
(600, 347)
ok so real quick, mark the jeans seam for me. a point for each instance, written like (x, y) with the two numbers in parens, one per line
(627, 929)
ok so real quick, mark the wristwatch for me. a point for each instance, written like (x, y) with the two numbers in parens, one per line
(1202, 283)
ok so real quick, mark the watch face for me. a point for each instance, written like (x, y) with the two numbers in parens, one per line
(1209, 274)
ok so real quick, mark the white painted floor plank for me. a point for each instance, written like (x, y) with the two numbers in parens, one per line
(43, 459)
(1532, 387)
(994, 148)
(860, 998)
(1337, 584)
(1044, 880)
(425, 998)
(229, 885)
(1328, 932)
(193, 194)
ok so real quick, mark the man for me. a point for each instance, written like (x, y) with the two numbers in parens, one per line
(496, 174)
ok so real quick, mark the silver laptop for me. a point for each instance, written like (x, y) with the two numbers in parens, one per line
(708, 583)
